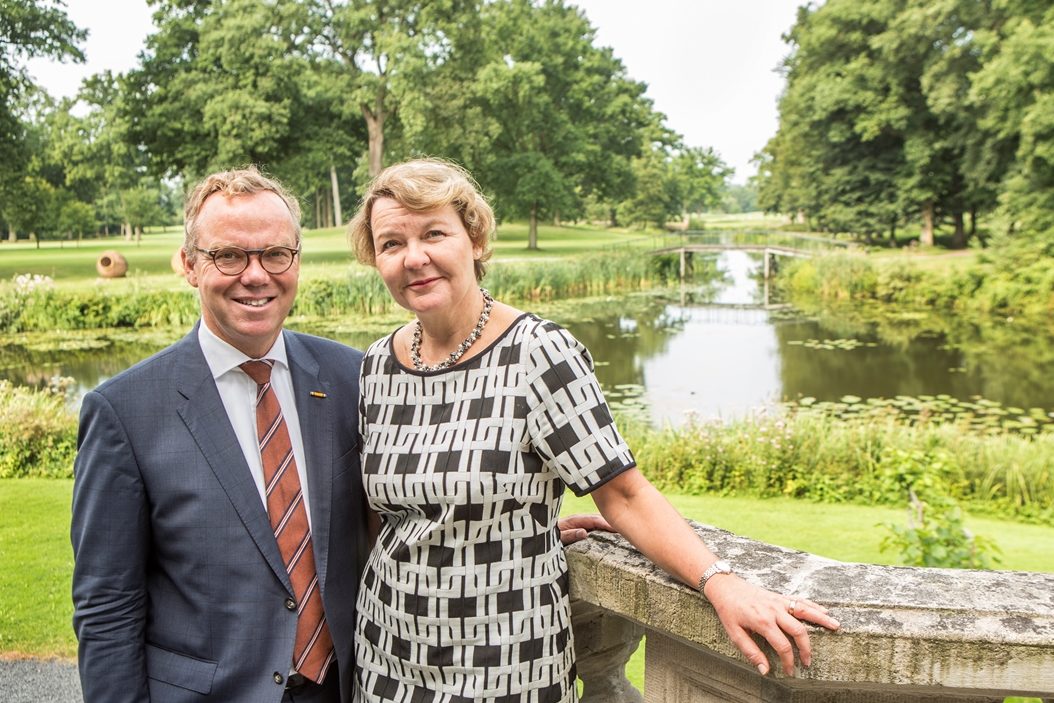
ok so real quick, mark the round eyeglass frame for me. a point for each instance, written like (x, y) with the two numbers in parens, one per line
(248, 253)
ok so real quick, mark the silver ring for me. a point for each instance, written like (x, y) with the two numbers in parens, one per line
(792, 606)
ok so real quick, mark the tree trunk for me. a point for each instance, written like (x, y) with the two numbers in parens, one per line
(375, 130)
(613, 217)
(339, 219)
(926, 238)
(532, 229)
(973, 222)
(138, 234)
(35, 238)
(12, 235)
(318, 208)
(959, 237)
(327, 210)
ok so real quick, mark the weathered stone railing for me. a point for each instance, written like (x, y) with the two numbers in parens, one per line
(907, 634)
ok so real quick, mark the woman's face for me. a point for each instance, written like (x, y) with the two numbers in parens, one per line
(425, 258)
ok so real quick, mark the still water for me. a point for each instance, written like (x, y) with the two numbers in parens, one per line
(714, 351)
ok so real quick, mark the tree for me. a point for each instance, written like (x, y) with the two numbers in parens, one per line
(28, 28)
(875, 124)
(701, 178)
(237, 81)
(140, 206)
(76, 218)
(560, 120)
(387, 50)
(1015, 92)
(739, 198)
(32, 209)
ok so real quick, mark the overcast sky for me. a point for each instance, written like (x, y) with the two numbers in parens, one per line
(710, 65)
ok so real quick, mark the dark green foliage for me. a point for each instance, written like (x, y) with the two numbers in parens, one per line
(913, 114)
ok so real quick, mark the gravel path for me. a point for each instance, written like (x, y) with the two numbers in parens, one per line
(39, 681)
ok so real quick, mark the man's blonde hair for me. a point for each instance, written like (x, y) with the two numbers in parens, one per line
(420, 185)
(240, 181)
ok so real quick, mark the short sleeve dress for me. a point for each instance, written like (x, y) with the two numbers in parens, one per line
(465, 595)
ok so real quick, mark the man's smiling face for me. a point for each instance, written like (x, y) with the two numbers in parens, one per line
(248, 310)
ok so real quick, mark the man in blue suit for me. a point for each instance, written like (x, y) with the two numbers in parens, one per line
(182, 588)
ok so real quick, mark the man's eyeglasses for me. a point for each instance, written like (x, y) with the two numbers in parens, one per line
(232, 260)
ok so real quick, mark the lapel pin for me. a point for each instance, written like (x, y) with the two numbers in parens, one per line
(317, 394)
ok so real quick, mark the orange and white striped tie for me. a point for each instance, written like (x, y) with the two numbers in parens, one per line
(313, 650)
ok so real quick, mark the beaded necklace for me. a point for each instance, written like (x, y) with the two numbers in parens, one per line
(415, 343)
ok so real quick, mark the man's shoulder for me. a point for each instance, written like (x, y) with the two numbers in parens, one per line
(161, 365)
(327, 347)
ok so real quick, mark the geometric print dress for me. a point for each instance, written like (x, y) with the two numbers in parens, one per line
(465, 594)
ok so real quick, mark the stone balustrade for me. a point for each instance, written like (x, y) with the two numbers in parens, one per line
(907, 634)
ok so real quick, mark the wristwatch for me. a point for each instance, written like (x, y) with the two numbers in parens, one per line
(718, 567)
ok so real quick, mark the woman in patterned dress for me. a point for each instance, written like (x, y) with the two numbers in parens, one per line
(474, 418)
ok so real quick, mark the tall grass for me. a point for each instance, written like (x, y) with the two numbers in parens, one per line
(38, 433)
(803, 454)
(989, 284)
(43, 306)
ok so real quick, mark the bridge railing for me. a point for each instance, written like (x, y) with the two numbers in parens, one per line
(907, 634)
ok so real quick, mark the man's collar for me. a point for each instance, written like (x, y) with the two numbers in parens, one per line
(222, 357)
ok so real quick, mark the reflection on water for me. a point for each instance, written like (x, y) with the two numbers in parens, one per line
(719, 354)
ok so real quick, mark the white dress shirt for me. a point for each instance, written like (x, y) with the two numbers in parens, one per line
(238, 393)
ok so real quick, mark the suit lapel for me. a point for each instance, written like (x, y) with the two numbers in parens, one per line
(316, 429)
(206, 419)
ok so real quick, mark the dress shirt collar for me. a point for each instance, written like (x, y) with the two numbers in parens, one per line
(223, 358)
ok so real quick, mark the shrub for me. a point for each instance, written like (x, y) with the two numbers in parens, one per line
(38, 432)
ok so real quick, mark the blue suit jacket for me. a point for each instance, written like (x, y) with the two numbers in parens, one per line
(179, 589)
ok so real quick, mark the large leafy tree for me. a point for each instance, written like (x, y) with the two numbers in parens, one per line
(387, 52)
(219, 84)
(559, 118)
(1014, 92)
(28, 29)
(876, 125)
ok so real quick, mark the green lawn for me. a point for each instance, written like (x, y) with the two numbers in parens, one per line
(35, 607)
(843, 532)
(325, 251)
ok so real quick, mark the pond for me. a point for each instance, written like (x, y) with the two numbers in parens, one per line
(714, 351)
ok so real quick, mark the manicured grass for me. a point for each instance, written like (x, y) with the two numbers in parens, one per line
(843, 531)
(326, 251)
(35, 605)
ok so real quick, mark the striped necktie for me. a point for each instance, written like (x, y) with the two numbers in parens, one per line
(313, 649)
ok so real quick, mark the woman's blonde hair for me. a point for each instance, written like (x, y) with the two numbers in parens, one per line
(420, 185)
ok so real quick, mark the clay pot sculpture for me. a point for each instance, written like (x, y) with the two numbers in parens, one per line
(111, 264)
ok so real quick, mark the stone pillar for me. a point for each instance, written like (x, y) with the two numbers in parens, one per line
(604, 642)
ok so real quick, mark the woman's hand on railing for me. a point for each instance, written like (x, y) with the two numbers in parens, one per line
(746, 609)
